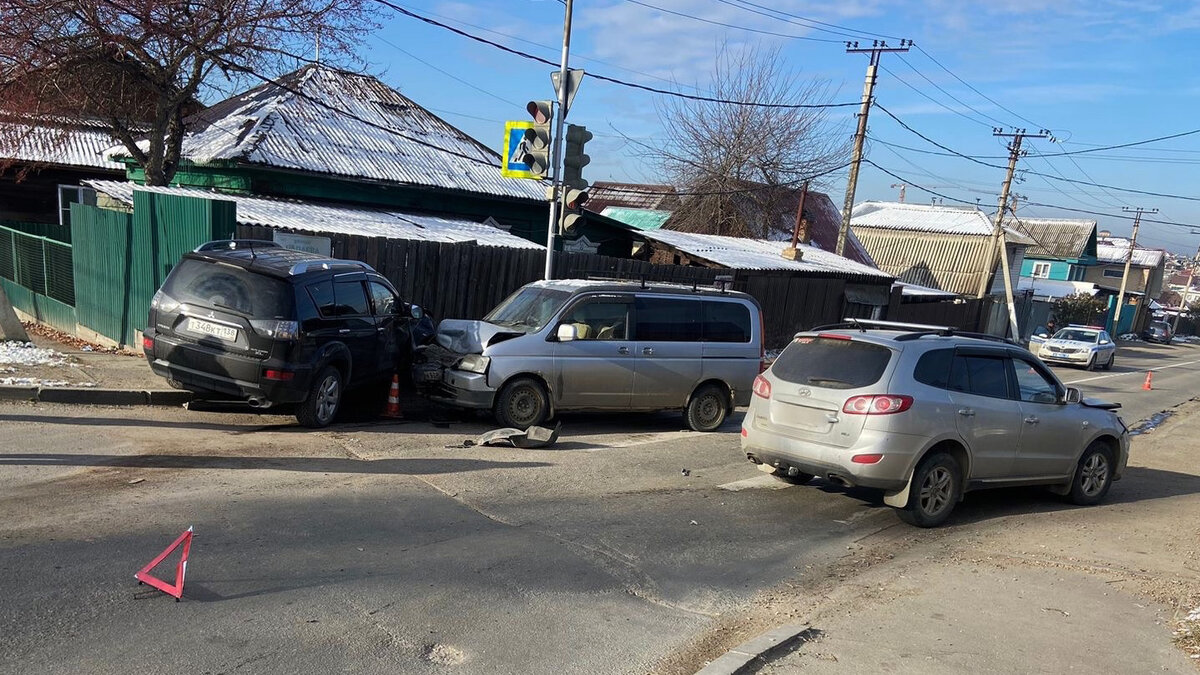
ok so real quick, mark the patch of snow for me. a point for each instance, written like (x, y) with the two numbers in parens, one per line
(1194, 615)
(1150, 423)
(1129, 337)
(27, 354)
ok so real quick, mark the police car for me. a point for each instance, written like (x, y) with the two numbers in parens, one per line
(1087, 346)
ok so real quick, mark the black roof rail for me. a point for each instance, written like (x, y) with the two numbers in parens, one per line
(327, 264)
(991, 338)
(234, 244)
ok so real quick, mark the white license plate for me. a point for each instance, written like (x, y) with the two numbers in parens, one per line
(216, 330)
(1057, 355)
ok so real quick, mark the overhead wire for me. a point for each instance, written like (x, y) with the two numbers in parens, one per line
(729, 25)
(952, 96)
(613, 80)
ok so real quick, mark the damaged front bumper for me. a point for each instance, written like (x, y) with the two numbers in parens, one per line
(464, 389)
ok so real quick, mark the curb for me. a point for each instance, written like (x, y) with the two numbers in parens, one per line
(741, 657)
(80, 396)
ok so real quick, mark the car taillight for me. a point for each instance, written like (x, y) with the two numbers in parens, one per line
(877, 404)
(147, 343)
(279, 375)
(278, 330)
(870, 458)
(762, 387)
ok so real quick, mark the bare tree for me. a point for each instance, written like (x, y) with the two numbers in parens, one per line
(141, 65)
(746, 162)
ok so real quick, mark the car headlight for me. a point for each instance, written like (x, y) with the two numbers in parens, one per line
(474, 363)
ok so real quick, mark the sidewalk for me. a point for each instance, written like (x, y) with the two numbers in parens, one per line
(1021, 582)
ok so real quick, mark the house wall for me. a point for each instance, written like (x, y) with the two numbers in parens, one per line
(1060, 270)
(946, 262)
(1138, 276)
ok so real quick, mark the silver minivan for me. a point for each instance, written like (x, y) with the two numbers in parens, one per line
(587, 345)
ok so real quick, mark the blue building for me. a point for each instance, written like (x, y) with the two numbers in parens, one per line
(1063, 250)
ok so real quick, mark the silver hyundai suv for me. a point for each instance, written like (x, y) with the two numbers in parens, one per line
(926, 413)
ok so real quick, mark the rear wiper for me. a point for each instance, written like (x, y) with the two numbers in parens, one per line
(814, 380)
(222, 305)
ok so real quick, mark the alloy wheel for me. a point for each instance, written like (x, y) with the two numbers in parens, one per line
(1094, 474)
(936, 490)
(327, 398)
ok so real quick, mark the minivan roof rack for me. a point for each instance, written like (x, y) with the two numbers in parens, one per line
(625, 280)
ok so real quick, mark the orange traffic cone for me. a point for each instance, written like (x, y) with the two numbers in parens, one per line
(393, 405)
(1147, 385)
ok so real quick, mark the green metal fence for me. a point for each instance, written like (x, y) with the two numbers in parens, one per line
(50, 230)
(40, 264)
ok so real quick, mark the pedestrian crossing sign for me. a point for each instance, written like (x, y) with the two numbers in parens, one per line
(512, 165)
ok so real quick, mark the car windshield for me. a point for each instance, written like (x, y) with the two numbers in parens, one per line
(1076, 335)
(529, 308)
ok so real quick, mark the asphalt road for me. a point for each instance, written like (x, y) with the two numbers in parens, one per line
(376, 548)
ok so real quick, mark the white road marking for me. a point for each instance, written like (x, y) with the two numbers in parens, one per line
(1132, 372)
(763, 482)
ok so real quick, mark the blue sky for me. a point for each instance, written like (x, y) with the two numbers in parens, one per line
(1095, 72)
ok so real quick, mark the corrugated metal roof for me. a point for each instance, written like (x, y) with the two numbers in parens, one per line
(760, 254)
(1057, 237)
(1116, 249)
(642, 219)
(350, 125)
(74, 145)
(321, 218)
(918, 291)
(921, 218)
(603, 194)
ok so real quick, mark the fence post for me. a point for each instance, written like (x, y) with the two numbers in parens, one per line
(45, 276)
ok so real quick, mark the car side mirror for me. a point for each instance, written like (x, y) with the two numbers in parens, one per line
(416, 312)
(1043, 335)
(567, 333)
(1104, 342)
(1073, 395)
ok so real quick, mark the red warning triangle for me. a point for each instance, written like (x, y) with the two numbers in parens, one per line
(174, 590)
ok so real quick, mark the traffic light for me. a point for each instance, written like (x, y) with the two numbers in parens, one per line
(575, 159)
(537, 140)
(572, 212)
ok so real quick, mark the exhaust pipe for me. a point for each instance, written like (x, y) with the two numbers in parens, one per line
(840, 480)
(256, 402)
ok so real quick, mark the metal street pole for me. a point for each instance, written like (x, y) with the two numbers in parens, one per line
(557, 144)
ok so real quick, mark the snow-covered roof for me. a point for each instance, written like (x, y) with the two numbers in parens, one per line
(338, 219)
(1116, 249)
(73, 143)
(917, 291)
(963, 220)
(760, 254)
(328, 121)
(1054, 288)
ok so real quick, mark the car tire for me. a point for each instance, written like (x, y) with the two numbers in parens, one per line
(707, 408)
(1091, 364)
(1111, 360)
(935, 490)
(1093, 475)
(522, 403)
(324, 398)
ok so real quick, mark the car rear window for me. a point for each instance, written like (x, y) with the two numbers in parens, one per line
(726, 322)
(832, 363)
(227, 287)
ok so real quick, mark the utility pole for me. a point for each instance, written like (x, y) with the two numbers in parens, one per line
(790, 252)
(1183, 300)
(557, 143)
(877, 48)
(903, 187)
(1137, 220)
(999, 247)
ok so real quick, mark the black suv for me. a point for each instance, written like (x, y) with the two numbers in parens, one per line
(274, 326)
(1158, 331)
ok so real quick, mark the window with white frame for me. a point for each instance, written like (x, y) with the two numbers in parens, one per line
(73, 194)
(1041, 270)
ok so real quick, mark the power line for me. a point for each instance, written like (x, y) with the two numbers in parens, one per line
(821, 23)
(934, 100)
(447, 74)
(952, 96)
(613, 80)
(968, 86)
(1035, 173)
(729, 25)
(787, 20)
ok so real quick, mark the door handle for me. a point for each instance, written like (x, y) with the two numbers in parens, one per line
(648, 351)
(966, 412)
(1031, 420)
(622, 350)
(343, 331)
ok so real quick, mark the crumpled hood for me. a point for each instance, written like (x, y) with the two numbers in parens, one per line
(471, 337)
